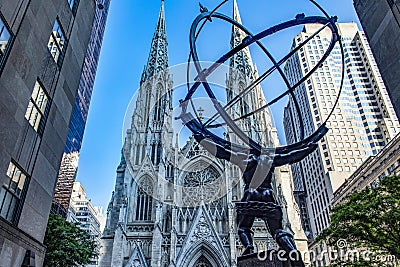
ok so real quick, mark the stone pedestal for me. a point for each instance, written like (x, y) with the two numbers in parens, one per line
(269, 260)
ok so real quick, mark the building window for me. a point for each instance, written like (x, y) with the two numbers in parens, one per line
(144, 204)
(57, 42)
(38, 107)
(5, 40)
(73, 4)
(12, 193)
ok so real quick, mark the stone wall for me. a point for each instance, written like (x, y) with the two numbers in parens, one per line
(39, 155)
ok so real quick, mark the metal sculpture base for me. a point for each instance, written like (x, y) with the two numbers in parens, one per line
(255, 208)
(262, 260)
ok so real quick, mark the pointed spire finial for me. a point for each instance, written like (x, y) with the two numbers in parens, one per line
(158, 57)
(236, 14)
(242, 60)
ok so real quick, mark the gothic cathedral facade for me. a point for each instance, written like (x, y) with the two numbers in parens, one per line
(144, 230)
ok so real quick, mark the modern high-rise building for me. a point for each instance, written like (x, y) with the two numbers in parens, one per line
(43, 44)
(371, 172)
(175, 206)
(66, 177)
(69, 163)
(362, 123)
(381, 23)
(89, 217)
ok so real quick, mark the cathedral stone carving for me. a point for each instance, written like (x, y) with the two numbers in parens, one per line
(137, 258)
(203, 230)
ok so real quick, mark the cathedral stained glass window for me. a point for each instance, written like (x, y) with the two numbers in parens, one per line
(201, 184)
(144, 203)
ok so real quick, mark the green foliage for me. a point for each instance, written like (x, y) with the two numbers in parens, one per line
(369, 220)
(67, 245)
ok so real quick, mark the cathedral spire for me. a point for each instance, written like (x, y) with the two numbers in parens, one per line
(242, 60)
(236, 14)
(158, 57)
(242, 71)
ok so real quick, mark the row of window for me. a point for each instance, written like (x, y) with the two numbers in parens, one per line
(13, 190)
(322, 220)
(56, 44)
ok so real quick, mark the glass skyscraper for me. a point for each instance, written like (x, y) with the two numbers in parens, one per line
(69, 163)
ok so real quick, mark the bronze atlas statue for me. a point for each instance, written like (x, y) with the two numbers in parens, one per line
(256, 162)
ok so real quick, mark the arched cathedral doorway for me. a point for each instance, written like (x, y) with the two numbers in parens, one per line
(203, 262)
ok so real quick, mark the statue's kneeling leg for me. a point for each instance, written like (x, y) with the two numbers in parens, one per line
(245, 233)
(246, 239)
(286, 242)
(284, 239)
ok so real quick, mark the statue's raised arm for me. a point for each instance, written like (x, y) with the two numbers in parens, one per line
(240, 155)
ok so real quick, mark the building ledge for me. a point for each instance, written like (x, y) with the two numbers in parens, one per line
(19, 237)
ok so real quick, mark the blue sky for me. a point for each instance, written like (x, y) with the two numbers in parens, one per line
(126, 45)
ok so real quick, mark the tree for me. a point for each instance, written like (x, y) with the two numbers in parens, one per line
(67, 245)
(368, 220)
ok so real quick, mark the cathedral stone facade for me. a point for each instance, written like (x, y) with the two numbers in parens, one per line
(174, 206)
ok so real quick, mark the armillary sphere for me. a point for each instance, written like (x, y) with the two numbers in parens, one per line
(326, 22)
